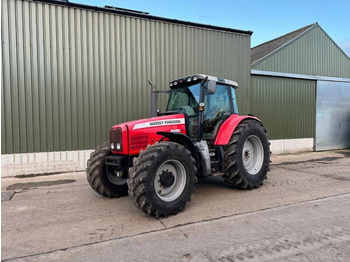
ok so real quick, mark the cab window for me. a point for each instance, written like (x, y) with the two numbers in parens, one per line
(218, 107)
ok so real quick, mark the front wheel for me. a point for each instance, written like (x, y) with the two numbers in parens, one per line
(162, 179)
(105, 179)
(247, 156)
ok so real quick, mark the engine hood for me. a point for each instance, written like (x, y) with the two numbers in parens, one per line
(138, 134)
(153, 123)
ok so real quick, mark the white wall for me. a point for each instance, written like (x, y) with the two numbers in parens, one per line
(290, 146)
(43, 163)
(69, 161)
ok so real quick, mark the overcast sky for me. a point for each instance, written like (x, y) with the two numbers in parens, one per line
(268, 19)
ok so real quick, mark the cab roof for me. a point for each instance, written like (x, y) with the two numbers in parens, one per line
(200, 77)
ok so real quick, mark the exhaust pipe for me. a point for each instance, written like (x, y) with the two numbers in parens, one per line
(154, 98)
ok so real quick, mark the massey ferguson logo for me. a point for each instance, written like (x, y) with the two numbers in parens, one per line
(160, 123)
(165, 122)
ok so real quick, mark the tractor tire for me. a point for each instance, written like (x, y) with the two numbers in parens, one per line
(101, 176)
(162, 179)
(247, 156)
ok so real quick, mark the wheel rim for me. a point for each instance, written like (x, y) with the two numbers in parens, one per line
(170, 180)
(253, 155)
(113, 177)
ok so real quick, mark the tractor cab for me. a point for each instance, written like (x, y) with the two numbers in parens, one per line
(206, 101)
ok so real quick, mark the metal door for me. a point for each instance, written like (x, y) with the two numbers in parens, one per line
(332, 115)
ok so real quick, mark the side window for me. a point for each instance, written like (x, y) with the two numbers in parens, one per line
(217, 109)
(234, 101)
(218, 103)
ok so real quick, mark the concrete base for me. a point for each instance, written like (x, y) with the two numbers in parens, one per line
(71, 161)
(43, 163)
(289, 146)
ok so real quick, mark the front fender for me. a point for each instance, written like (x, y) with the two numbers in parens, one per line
(183, 140)
(228, 127)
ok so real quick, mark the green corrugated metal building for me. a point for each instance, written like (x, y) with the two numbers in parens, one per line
(71, 71)
(286, 74)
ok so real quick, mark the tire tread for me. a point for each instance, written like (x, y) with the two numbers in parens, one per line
(233, 175)
(97, 180)
(139, 172)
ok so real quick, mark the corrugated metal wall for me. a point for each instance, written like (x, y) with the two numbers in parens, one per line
(70, 73)
(286, 106)
(314, 53)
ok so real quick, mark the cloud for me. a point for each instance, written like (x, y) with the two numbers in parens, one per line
(345, 45)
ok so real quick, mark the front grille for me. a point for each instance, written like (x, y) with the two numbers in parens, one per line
(115, 137)
(139, 141)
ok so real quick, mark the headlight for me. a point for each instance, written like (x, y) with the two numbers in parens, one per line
(119, 146)
(112, 146)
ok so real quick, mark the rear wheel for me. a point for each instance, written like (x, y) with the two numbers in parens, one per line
(105, 179)
(162, 179)
(247, 156)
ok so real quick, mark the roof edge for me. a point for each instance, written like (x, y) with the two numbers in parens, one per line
(330, 38)
(308, 26)
(312, 27)
(140, 14)
(299, 76)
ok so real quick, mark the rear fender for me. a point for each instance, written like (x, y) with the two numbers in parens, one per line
(228, 127)
(183, 140)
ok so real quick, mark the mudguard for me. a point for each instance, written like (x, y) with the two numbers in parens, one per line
(228, 127)
(183, 140)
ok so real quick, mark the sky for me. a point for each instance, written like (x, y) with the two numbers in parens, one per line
(268, 19)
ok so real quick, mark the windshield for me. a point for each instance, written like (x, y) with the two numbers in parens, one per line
(185, 99)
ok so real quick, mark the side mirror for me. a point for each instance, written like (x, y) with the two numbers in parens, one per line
(211, 87)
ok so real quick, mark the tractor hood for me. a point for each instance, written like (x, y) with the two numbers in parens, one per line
(136, 135)
(154, 123)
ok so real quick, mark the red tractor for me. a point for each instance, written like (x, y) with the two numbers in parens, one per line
(157, 160)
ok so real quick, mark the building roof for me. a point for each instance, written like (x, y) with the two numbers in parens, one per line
(260, 51)
(141, 14)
